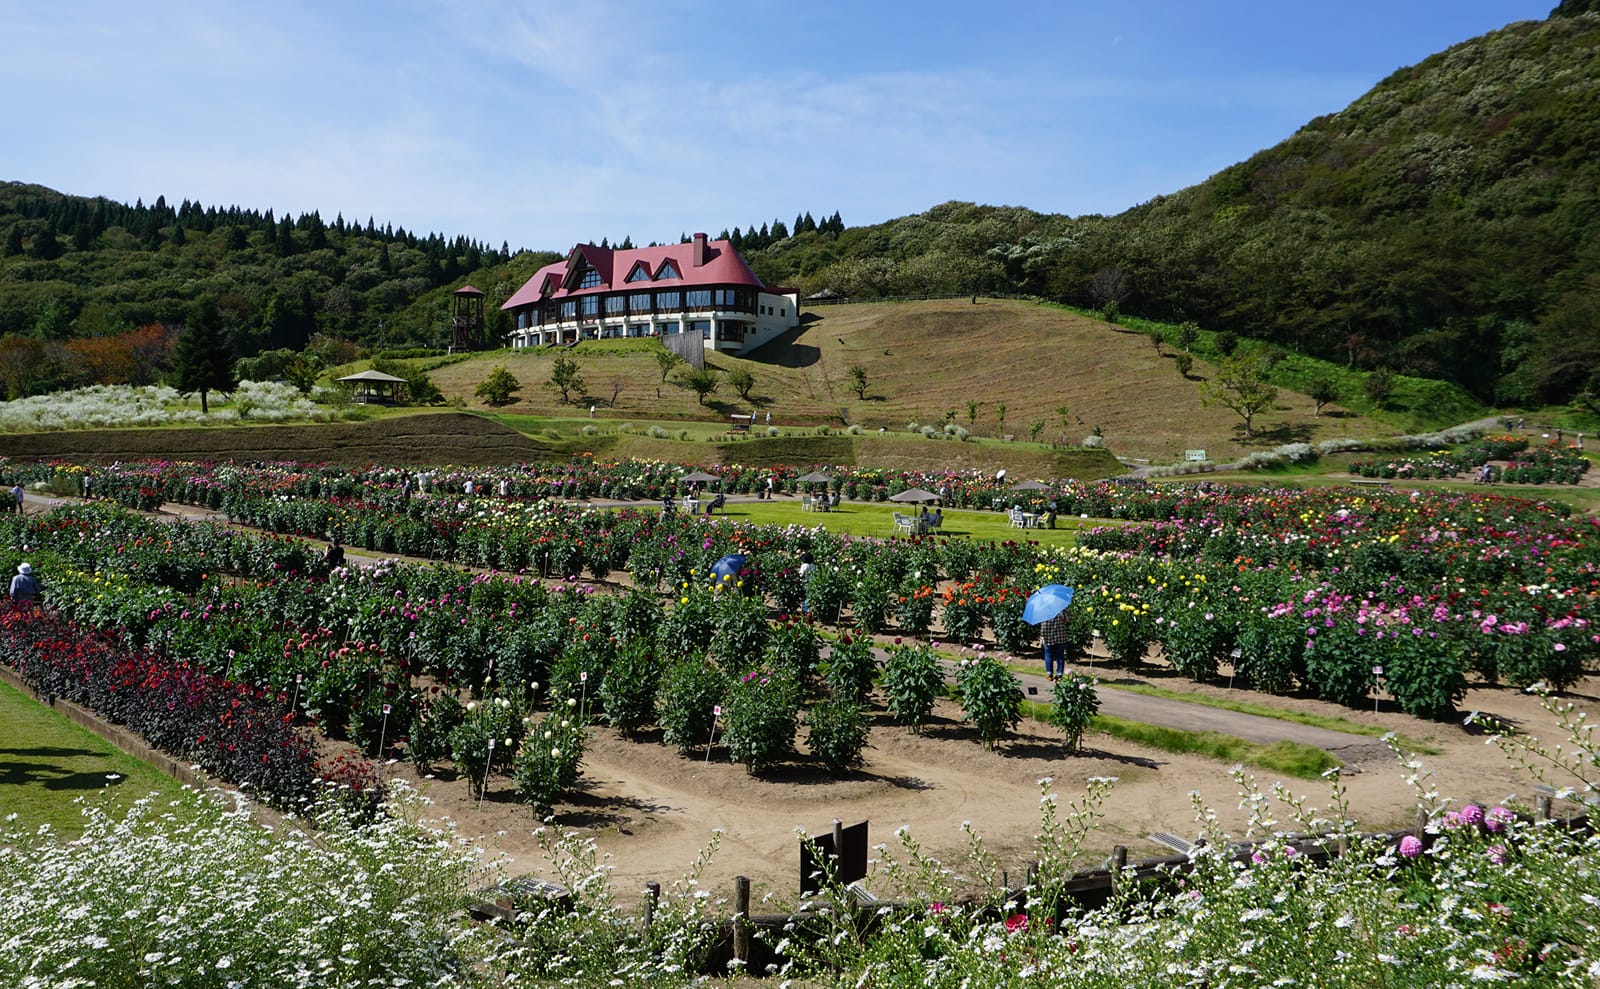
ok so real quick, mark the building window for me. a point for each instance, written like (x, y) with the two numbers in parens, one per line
(699, 298)
(672, 327)
(569, 310)
(783, 312)
(639, 273)
(702, 327)
(616, 305)
(727, 298)
(591, 305)
(669, 300)
(591, 278)
(667, 270)
(639, 302)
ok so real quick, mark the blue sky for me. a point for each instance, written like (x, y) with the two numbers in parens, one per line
(545, 123)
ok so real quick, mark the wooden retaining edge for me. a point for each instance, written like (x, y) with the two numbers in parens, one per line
(135, 745)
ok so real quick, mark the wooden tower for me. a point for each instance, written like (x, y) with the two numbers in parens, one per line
(466, 319)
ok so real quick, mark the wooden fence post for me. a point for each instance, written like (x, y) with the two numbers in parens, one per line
(1119, 861)
(652, 895)
(1543, 806)
(741, 919)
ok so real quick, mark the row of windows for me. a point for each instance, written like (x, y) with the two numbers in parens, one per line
(640, 303)
(727, 331)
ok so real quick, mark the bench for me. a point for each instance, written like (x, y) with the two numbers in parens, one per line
(1370, 482)
(1172, 841)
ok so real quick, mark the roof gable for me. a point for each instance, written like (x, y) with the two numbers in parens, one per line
(720, 265)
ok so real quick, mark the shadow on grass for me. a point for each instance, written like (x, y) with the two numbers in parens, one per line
(34, 767)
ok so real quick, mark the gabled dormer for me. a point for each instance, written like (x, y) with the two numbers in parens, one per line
(640, 272)
(668, 271)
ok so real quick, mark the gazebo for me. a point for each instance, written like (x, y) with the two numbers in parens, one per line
(375, 387)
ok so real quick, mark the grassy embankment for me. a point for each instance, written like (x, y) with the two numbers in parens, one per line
(47, 764)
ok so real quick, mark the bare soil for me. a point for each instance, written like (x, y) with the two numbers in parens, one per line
(652, 812)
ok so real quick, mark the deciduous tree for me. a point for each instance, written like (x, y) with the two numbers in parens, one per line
(703, 381)
(742, 380)
(1241, 385)
(565, 377)
(858, 380)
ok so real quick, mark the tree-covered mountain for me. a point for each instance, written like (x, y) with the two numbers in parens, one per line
(1445, 224)
(73, 267)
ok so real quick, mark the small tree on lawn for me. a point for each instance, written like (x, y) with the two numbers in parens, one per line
(204, 360)
(1034, 429)
(742, 381)
(1241, 385)
(1184, 362)
(1379, 386)
(565, 377)
(1000, 416)
(1321, 392)
(703, 381)
(972, 412)
(667, 362)
(858, 380)
(302, 371)
(498, 387)
(1188, 333)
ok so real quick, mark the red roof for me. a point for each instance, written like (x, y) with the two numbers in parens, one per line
(467, 290)
(723, 266)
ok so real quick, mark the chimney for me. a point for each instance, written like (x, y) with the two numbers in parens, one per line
(699, 255)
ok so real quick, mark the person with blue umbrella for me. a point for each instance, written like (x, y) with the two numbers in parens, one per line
(726, 571)
(1047, 608)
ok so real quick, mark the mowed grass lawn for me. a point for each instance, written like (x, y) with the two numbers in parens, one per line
(877, 519)
(47, 763)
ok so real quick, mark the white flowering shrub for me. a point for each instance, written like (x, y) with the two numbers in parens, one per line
(191, 896)
(120, 406)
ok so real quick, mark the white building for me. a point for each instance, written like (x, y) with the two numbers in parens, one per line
(700, 287)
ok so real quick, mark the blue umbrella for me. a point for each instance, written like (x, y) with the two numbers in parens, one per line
(1046, 603)
(726, 570)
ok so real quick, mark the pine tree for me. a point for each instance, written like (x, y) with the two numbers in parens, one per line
(204, 360)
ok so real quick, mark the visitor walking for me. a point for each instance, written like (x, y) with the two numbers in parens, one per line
(334, 557)
(808, 566)
(1053, 634)
(16, 498)
(767, 493)
(24, 587)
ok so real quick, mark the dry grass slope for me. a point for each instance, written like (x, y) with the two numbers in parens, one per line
(924, 358)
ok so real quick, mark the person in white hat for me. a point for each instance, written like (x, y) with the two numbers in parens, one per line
(24, 586)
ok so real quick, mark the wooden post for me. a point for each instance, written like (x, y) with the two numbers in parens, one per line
(1119, 861)
(1422, 823)
(652, 896)
(741, 919)
(1542, 805)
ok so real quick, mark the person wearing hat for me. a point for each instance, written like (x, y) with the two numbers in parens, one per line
(24, 586)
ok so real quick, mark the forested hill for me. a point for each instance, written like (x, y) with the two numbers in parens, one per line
(73, 266)
(1445, 224)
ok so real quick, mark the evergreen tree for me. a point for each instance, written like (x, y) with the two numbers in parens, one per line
(810, 225)
(13, 241)
(204, 360)
(779, 231)
(285, 239)
(45, 246)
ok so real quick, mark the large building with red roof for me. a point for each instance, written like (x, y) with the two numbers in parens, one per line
(702, 287)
